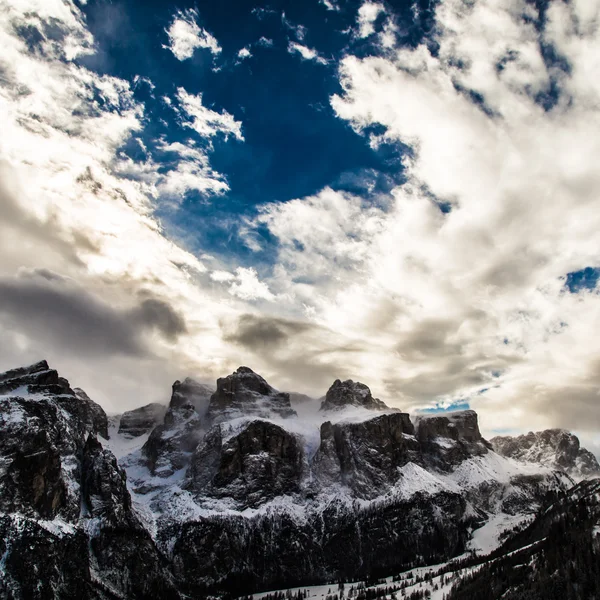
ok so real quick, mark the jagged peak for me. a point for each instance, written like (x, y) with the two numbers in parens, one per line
(555, 447)
(38, 367)
(245, 392)
(37, 378)
(350, 393)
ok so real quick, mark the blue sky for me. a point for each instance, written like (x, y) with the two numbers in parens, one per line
(294, 144)
(402, 193)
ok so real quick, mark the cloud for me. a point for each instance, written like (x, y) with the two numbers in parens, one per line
(330, 5)
(306, 53)
(247, 286)
(185, 35)
(368, 13)
(85, 268)
(452, 287)
(265, 42)
(204, 121)
(256, 332)
(469, 302)
(49, 307)
(244, 53)
(299, 31)
(192, 172)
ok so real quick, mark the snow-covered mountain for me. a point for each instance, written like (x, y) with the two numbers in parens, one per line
(233, 492)
(554, 448)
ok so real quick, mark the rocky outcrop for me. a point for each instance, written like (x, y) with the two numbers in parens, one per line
(236, 555)
(38, 378)
(246, 394)
(171, 444)
(253, 466)
(140, 421)
(365, 456)
(555, 448)
(351, 393)
(67, 526)
(449, 439)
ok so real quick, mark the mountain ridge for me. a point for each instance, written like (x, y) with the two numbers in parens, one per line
(201, 490)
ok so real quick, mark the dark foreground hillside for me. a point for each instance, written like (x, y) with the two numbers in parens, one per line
(558, 559)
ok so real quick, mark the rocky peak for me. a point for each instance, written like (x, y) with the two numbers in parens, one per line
(245, 393)
(142, 420)
(38, 378)
(351, 393)
(170, 445)
(556, 448)
(191, 394)
(450, 438)
(462, 425)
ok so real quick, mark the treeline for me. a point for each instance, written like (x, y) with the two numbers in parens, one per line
(564, 565)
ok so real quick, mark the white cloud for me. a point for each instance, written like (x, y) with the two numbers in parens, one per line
(248, 287)
(265, 42)
(299, 31)
(330, 4)
(205, 121)
(306, 53)
(422, 305)
(186, 36)
(222, 276)
(449, 304)
(244, 53)
(367, 16)
(191, 173)
(71, 204)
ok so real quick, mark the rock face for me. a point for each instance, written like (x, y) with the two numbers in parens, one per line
(140, 421)
(555, 448)
(38, 378)
(254, 466)
(171, 444)
(366, 456)
(351, 393)
(67, 524)
(450, 439)
(244, 393)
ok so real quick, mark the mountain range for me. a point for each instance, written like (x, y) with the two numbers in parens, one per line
(240, 488)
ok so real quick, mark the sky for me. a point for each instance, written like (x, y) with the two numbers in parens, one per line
(405, 194)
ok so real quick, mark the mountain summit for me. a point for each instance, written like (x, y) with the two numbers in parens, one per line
(351, 393)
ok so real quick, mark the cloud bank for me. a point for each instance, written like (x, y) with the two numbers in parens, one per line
(451, 288)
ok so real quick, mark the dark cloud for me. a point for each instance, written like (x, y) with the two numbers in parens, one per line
(256, 332)
(46, 306)
(293, 354)
(159, 314)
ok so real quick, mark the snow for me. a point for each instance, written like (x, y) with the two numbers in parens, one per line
(122, 445)
(487, 538)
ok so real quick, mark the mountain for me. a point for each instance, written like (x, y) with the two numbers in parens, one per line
(343, 394)
(68, 527)
(562, 543)
(554, 448)
(232, 492)
(140, 421)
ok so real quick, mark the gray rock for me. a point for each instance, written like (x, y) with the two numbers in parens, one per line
(245, 393)
(140, 421)
(365, 456)
(170, 445)
(351, 393)
(260, 462)
(555, 448)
